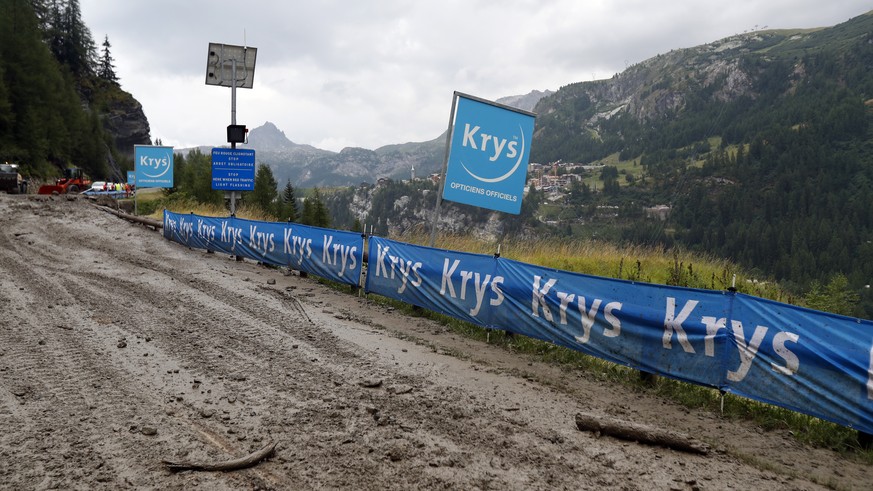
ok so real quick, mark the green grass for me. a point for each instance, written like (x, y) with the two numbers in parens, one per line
(153, 205)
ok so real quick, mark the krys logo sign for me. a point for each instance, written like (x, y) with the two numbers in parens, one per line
(490, 149)
(154, 166)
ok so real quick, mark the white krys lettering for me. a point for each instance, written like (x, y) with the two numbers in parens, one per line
(870, 376)
(237, 233)
(209, 232)
(469, 133)
(674, 323)
(447, 277)
(381, 253)
(353, 258)
(261, 242)
(230, 235)
(485, 139)
(299, 247)
(566, 299)
(612, 319)
(405, 270)
(480, 291)
(587, 318)
(495, 288)
(465, 278)
(713, 325)
(539, 298)
(287, 249)
(747, 351)
(337, 251)
(346, 257)
(792, 363)
(325, 252)
(253, 230)
(499, 143)
(186, 229)
(394, 260)
(512, 150)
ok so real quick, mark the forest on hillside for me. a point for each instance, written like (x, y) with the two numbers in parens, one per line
(779, 178)
(53, 84)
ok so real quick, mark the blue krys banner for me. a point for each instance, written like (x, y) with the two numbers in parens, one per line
(330, 254)
(812, 362)
(488, 159)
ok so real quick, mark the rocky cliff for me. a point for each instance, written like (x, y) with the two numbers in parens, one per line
(124, 120)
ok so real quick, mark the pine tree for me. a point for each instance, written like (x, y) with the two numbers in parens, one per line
(320, 214)
(265, 193)
(106, 70)
(314, 211)
(69, 38)
(289, 208)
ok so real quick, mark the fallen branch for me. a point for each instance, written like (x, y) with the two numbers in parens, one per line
(640, 433)
(155, 224)
(230, 465)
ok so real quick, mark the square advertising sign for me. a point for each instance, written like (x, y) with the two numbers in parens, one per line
(490, 150)
(154, 166)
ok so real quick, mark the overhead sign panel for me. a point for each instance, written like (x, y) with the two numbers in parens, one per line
(154, 166)
(229, 65)
(490, 150)
(233, 169)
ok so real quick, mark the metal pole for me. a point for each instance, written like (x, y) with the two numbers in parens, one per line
(233, 95)
(233, 122)
(436, 211)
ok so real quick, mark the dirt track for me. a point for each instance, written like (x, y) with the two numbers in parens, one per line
(119, 349)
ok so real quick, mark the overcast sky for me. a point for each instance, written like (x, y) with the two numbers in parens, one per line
(337, 73)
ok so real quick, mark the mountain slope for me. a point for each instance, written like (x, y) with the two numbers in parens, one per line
(761, 143)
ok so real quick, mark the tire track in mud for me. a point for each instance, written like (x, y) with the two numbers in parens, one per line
(64, 386)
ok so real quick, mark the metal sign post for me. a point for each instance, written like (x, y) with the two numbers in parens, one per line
(436, 211)
(231, 66)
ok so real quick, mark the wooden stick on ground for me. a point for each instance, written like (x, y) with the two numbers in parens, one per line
(640, 433)
(230, 465)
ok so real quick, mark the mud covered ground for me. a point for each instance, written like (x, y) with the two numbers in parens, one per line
(119, 349)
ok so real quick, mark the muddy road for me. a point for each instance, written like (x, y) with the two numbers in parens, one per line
(119, 349)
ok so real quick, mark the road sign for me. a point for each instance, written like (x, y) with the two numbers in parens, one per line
(233, 169)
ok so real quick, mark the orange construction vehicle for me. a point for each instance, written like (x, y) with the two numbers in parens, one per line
(72, 182)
